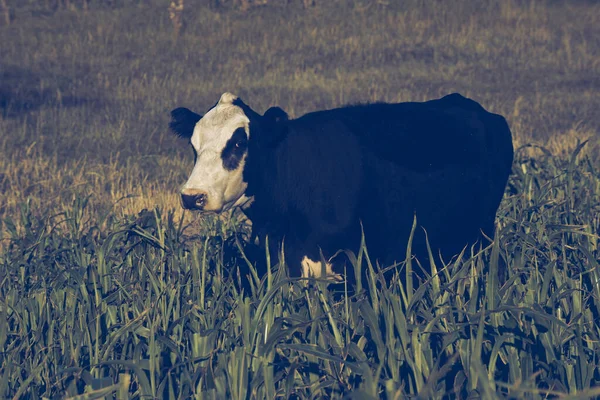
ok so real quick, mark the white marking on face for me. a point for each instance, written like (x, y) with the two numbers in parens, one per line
(314, 269)
(224, 188)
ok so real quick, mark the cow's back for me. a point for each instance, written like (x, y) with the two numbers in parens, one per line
(377, 166)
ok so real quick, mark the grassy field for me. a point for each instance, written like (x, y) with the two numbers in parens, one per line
(107, 289)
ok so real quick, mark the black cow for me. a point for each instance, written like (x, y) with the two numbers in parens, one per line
(314, 183)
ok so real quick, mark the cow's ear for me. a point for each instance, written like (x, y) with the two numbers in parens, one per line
(275, 114)
(183, 122)
(272, 131)
(272, 134)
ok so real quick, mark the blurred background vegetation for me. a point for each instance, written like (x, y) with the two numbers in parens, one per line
(86, 86)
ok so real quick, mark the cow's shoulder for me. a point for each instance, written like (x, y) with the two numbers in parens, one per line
(309, 174)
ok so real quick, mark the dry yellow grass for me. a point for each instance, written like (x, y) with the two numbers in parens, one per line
(563, 145)
(52, 187)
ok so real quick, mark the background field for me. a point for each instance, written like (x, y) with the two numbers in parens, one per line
(96, 292)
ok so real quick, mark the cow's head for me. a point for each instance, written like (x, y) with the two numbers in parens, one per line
(220, 140)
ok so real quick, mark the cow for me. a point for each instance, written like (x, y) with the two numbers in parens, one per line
(317, 184)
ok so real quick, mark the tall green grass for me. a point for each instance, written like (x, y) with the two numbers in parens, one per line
(143, 309)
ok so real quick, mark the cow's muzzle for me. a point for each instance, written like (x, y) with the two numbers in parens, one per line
(193, 199)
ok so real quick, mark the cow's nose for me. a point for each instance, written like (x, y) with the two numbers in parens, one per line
(193, 200)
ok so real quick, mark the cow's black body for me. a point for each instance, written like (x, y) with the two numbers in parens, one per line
(315, 179)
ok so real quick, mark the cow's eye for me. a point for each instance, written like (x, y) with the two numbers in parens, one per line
(234, 149)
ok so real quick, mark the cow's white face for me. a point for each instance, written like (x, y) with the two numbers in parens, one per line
(220, 142)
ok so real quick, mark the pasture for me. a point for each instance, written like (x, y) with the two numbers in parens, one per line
(108, 289)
